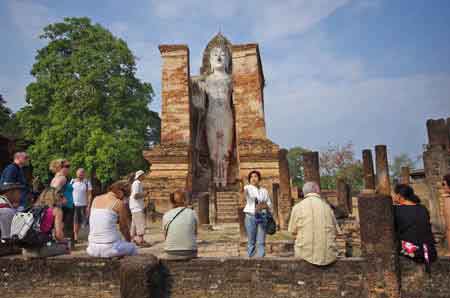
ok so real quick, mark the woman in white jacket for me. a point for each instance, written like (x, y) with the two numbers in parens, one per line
(256, 201)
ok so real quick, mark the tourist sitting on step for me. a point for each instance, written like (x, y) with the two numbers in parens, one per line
(10, 195)
(104, 238)
(257, 201)
(314, 225)
(49, 241)
(445, 194)
(413, 227)
(180, 228)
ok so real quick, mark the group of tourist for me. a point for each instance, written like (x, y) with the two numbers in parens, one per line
(67, 205)
(313, 223)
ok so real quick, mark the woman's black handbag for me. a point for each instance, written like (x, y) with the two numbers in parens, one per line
(271, 226)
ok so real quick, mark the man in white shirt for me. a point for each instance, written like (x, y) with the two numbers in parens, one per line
(137, 208)
(82, 197)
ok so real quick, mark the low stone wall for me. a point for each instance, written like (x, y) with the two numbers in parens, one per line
(416, 283)
(269, 277)
(62, 277)
(145, 276)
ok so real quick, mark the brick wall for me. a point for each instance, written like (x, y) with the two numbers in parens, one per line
(62, 277)
(82, 277)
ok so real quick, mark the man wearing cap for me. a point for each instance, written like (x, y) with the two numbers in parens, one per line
(13, 174)
(137, 208)
(9, 201)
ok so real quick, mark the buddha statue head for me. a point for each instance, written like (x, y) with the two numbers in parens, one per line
(217, 56)
(219, 59)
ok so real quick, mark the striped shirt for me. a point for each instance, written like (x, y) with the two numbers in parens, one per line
(315, 225)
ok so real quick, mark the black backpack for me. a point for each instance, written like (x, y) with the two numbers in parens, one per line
(25, 228)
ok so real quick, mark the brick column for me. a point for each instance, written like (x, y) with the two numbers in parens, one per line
(175, 90)
(378, 245)
(438, 132)
(311, 167)
(203, 209)
(369, 175)
(285, 198)
(404, 175)
(343, 196)
(134, 277)
(248, 99)
(381, 159)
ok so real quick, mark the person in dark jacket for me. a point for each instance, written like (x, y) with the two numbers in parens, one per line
(13, 174)
(413, 227)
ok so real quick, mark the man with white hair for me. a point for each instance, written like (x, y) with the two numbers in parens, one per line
(314, 225)
(13, 174)
(137, 208)
(82, 199)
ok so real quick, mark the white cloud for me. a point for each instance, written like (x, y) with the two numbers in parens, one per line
(279, 19)
(267, 19)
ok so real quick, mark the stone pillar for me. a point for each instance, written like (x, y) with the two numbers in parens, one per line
(343, 196)
(248, 85)
(285, 198)
(381, 159)
(436, 160)
(404, 175)
(134, 277)
(275, 202)
(311, 167)
(212, 205)
(203, 209)
(378, 245)
(438, 132)
(369, 175)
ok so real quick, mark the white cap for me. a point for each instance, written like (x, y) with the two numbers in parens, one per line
(138, 174)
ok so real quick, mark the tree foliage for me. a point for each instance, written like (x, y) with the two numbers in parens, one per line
(339, 162)
(5, 113)
(296, 165)
(86, 103)
(399, 161)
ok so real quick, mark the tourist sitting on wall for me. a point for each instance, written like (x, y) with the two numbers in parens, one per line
(61, 169)
(445, 194)
(180, 228)
(257, 201)
(104, 238)
(9, 201)
(13, 174)
(413, 227)
(51, 236)
(314, 225)
(137, 206)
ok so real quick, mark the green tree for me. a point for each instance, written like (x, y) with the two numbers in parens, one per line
(339, 162)
(296, 165)
(5, 114)
(86, 103)
(399, 161)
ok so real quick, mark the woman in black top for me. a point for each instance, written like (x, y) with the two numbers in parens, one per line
(413, 227)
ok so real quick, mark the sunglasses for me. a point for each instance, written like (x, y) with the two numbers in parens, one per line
(66, 166)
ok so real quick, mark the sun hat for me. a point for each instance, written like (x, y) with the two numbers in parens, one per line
(138, 174)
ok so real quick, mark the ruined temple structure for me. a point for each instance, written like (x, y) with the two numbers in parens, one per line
(427, 182)
(213, 132)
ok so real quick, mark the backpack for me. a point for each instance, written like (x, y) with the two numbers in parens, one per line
(25, 228)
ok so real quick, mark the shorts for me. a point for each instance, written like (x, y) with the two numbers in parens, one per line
(79, 216)
(137, 223)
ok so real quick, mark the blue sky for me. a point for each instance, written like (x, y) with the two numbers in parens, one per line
(366, 71)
